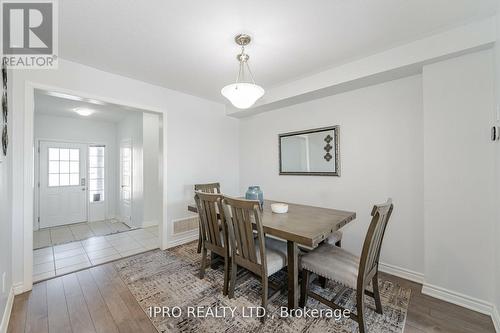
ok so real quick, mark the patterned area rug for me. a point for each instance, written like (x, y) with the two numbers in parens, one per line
(170, 279)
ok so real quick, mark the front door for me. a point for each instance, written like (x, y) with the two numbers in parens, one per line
(126, 181)
(62, 177)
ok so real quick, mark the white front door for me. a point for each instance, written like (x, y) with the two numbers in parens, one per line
(63, 190)
(126, 181)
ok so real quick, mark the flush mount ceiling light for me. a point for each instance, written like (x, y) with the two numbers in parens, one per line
(84, 111)
(243, 94)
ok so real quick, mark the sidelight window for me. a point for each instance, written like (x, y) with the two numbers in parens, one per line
(96, 173)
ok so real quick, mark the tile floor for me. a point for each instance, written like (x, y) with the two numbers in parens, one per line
(61, 259)
(74, 232)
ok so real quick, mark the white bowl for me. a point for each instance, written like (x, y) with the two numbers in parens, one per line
(279, 208)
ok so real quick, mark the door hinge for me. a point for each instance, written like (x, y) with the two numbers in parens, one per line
(39, 219)
(38, 184)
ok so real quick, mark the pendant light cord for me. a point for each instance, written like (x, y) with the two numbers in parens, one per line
(249, 71)
(241, 71)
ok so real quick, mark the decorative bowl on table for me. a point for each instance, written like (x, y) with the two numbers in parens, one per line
(279, 208)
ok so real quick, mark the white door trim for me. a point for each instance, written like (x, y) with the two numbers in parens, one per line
(28, 171)
(121, 217)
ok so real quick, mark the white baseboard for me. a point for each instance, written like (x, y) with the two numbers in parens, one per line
(402, 272)
(457, 298)
(495, 316)
(147, 224)
(183, 238)
(8, 309)
(18, 288)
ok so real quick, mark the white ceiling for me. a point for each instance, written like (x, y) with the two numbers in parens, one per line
(188, 45)
(65, 107)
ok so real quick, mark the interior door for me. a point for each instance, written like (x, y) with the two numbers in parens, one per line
(126, 181)
(62, 183)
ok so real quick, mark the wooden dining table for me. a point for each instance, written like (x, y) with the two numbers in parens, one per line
(301, 225)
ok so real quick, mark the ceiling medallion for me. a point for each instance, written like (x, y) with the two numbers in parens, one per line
(243, 94)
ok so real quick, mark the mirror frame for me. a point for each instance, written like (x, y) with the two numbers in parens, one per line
(336, 131)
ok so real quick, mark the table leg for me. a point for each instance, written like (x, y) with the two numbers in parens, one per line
(293, 275)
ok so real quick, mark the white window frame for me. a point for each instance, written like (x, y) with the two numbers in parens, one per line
(90, 179)
(59, 173)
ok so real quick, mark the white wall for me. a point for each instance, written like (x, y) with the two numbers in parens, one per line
(142, 128)
(381, 149)
(459, 176)
(66, 129)
(194, 127)
(422, 140)
(151, 168)
(5, 218)
(130, 128)
(497, 233)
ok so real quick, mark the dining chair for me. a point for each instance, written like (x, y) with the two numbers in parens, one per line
(260, 255)
(206, 188)
(213, 231)
(334, 239)
(337, 264)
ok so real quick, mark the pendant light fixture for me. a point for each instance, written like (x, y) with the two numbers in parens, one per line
(243, 94)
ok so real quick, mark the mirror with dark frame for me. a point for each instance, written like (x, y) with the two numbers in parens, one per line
(313, 152)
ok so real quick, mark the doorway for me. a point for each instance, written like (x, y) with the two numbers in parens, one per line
(99, 189)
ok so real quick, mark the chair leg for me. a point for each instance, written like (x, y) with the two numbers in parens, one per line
(226, 275)
(304, 288)
(360, 305)
(232, 280)
(264, 296)
(376, 294)
(203, 262)
(322, 281)
(199, 241)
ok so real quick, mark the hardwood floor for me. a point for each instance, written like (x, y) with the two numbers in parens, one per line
(97, 300)
(431, 315)
(92, 300)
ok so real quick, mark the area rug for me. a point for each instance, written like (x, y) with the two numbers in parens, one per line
(169, 279)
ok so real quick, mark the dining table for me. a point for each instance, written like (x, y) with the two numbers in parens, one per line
(302, 225)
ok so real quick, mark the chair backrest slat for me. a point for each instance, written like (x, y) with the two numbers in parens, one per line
(211, 215)
(235, 226)
(214, 221)
(373, 241)
(208, 188)
(241, 216)
(238, 221)
(249, 236)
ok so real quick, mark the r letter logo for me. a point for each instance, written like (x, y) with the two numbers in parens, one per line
(29, 34)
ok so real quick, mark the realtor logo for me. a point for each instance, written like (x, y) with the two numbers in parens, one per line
(29, 33)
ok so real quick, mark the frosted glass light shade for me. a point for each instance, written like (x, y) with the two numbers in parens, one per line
(242, 95)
